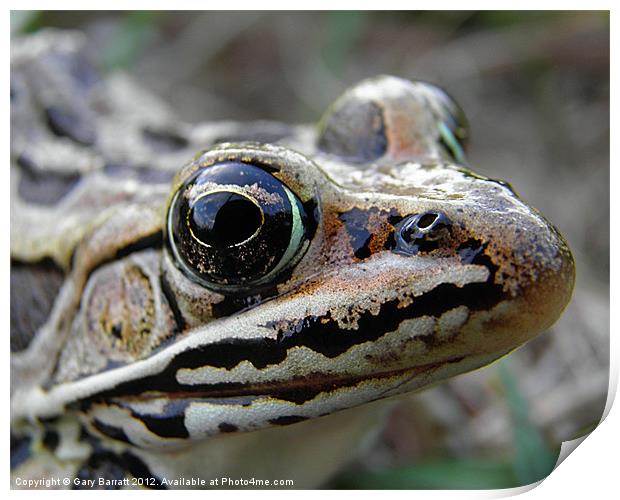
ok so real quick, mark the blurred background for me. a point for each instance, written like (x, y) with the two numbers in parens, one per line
(535, 87)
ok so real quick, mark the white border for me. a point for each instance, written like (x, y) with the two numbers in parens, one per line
(592, 469)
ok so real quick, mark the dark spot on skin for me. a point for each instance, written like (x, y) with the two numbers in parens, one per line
(472, 252)
(232, 304)
(469, 250)
(138, 469)
(354, 130)
(51, 440)
(34, 288)
(179, 320)
(390, 242)
(117, 329)
(65, 123)
(106, 464)
(48, 420)
(164, 141)
(355, 222)
(168, 424)
(43, 188)
(103, 465)
(287, 420)
(226, 427)
(364, 251)
(20, 450)
(165, 426)
(427, 246)
(394, 217)
(111, 431)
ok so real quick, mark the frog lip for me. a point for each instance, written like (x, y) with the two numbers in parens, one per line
(296, 390)
(174, 373)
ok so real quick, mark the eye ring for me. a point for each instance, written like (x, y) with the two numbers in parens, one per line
(232, 226)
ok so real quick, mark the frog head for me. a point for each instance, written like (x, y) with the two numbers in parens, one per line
(281, 282)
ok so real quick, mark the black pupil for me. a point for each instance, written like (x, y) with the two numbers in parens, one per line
(224, 219)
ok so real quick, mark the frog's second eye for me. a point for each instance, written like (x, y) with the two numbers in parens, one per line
(388, 118)
(233, 226)
(451, 120)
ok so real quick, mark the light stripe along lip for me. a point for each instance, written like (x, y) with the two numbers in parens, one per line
(174, 419)
(266, 353)
(256, 336)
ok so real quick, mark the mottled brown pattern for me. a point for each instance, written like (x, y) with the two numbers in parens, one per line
(121, 313)
(137, 344)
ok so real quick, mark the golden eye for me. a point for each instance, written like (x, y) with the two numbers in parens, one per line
(233, 226)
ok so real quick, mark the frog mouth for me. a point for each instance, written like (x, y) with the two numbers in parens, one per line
(179, 375)
(197, 372)
(297, 398)
(296, 390)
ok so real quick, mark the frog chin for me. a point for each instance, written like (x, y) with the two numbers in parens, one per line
(173, 421)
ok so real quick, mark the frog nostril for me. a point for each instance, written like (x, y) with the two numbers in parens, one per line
(409, 231)
(426, 220)
(421, 232)
(426, 224)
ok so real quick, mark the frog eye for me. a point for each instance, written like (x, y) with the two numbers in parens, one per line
(389, 117)
(451, 120)
(233, 226)
(422, 232)
(354, 129)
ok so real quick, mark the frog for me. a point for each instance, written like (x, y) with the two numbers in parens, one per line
(204, 304)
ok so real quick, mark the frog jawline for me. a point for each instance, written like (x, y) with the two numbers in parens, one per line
(296, 391)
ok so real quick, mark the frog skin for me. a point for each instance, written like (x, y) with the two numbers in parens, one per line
(223, 298)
